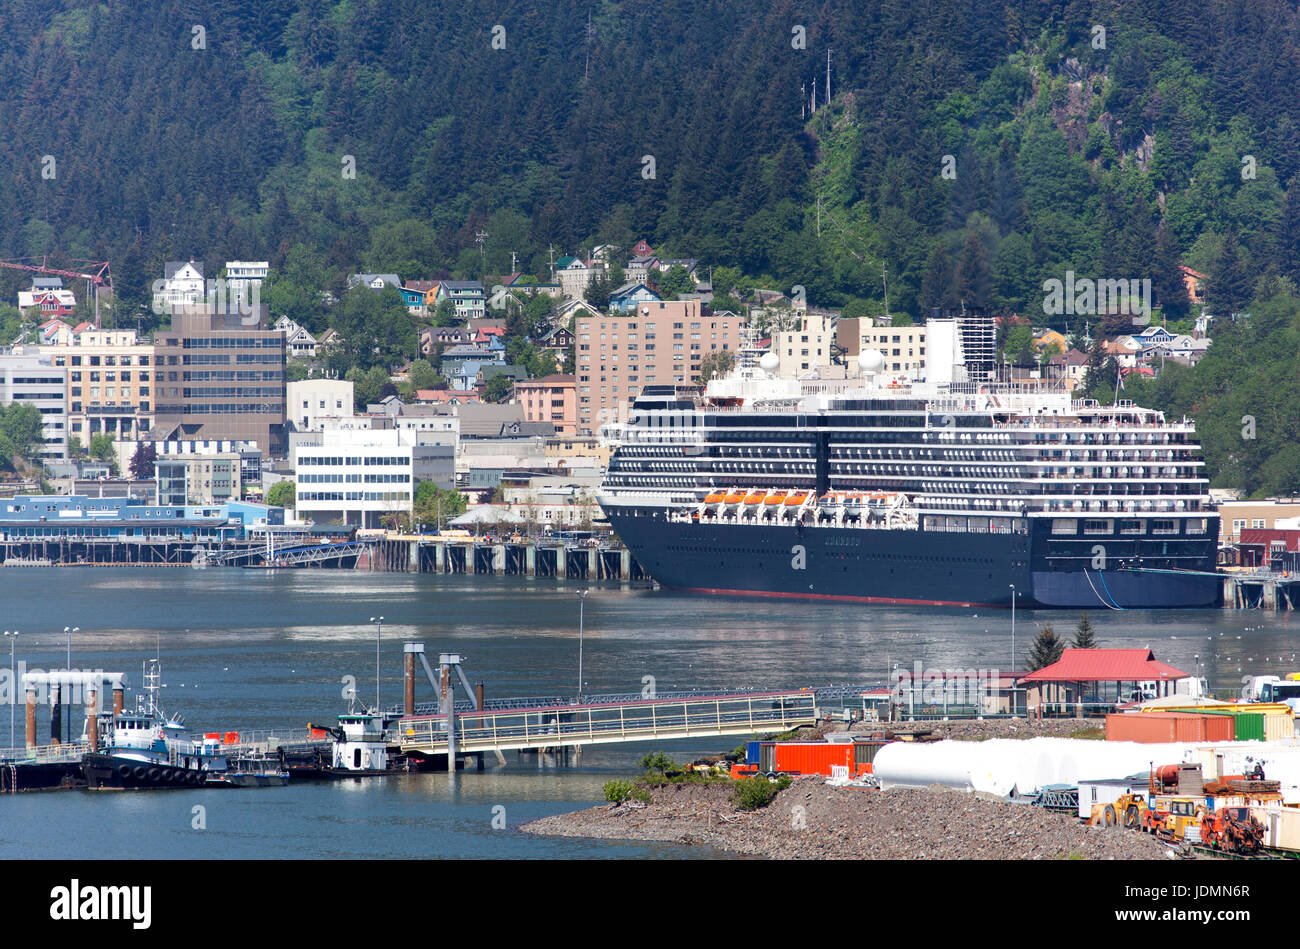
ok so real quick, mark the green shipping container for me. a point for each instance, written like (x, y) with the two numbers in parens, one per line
(1249, 726)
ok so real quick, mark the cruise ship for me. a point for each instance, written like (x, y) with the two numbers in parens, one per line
(957, 489)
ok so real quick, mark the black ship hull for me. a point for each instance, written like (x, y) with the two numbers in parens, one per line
(924, 567)
(114, 771)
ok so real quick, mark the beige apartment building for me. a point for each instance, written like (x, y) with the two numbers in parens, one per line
(1236, 516)
(902, 346)
(551, 399)
(110, 383)
(805, 346)
(658, 343)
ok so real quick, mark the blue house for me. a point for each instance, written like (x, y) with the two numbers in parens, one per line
(629, 296)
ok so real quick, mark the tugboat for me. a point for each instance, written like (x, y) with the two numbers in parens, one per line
(146, 749)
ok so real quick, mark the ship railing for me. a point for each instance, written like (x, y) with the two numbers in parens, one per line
(42, 754)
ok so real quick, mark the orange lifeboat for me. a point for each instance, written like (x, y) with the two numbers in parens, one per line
(797, 498)
(755, 497)
(735, 497)
(776, 497)
(717, 497)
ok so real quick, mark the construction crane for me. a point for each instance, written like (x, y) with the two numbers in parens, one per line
(101, 276)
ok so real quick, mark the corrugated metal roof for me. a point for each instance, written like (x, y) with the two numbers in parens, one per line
(1105, 665)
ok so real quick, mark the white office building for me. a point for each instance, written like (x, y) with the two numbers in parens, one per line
(28, 378)
(364, 477)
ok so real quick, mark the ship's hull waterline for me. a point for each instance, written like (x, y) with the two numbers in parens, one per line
(910, 566)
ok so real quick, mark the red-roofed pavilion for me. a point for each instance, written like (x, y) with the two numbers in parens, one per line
(1083, 676)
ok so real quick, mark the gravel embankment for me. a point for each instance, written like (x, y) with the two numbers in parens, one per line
(812, 820)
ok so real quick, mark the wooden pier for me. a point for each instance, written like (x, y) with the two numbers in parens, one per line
(1261, 592)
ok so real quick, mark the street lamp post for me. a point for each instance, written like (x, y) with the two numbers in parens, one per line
(69, 631)
(582, 602)
(13, 683)
(379, 626)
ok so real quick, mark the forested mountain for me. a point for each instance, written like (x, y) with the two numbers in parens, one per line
(972, 149)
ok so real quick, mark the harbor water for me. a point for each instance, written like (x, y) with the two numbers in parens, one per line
(247, 649)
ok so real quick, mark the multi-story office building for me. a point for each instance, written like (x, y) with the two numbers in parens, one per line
(362, 478)
(220, 375)
(28, 378)
(200, 472)
(659, 343)
(110, 383)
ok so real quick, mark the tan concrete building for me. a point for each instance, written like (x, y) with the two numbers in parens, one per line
(572, 448)
(659, 343)
(805, 346)
(551, 399)
(902, 346)
(1254, 515)
(110, 384)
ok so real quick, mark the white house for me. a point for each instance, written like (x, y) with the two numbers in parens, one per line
(182, 285)
(299, 343)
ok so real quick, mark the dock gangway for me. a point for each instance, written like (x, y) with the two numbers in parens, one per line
(607, 722)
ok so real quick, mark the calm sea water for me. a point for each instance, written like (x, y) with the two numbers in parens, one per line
(251, 649)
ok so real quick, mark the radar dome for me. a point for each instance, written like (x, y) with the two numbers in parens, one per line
(871, 360)
(771, 360)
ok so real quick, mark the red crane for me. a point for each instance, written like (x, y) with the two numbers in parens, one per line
(99, 276)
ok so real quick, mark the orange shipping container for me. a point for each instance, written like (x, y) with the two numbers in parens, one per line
(797, 757)
(1158, 727)
(231, 738)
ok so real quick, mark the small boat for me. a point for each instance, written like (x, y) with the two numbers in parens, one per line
(755, 497)
(776, 497)
(252, 772)
(146, 749)
(797, 498)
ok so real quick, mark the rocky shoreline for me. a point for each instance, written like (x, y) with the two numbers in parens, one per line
(813, 820)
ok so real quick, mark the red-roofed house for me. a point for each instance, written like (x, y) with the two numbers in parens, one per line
(446, 396)
(1096, 677)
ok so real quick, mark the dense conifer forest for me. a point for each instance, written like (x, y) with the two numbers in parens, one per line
(969, 152)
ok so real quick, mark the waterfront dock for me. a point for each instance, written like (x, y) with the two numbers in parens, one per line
(521, 559)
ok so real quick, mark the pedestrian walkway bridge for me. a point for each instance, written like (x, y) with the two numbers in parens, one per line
(607, 722)
(342, 554)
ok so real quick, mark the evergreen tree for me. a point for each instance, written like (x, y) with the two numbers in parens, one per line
(1286, 234)
(1044, 650)
(1085, 636)
(1166, 279)
(1229, 290)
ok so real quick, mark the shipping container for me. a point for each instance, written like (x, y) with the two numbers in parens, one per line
(1279, 726)
(1249, 726)
(793, 757)
(1281, 826)
(1161, 727)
